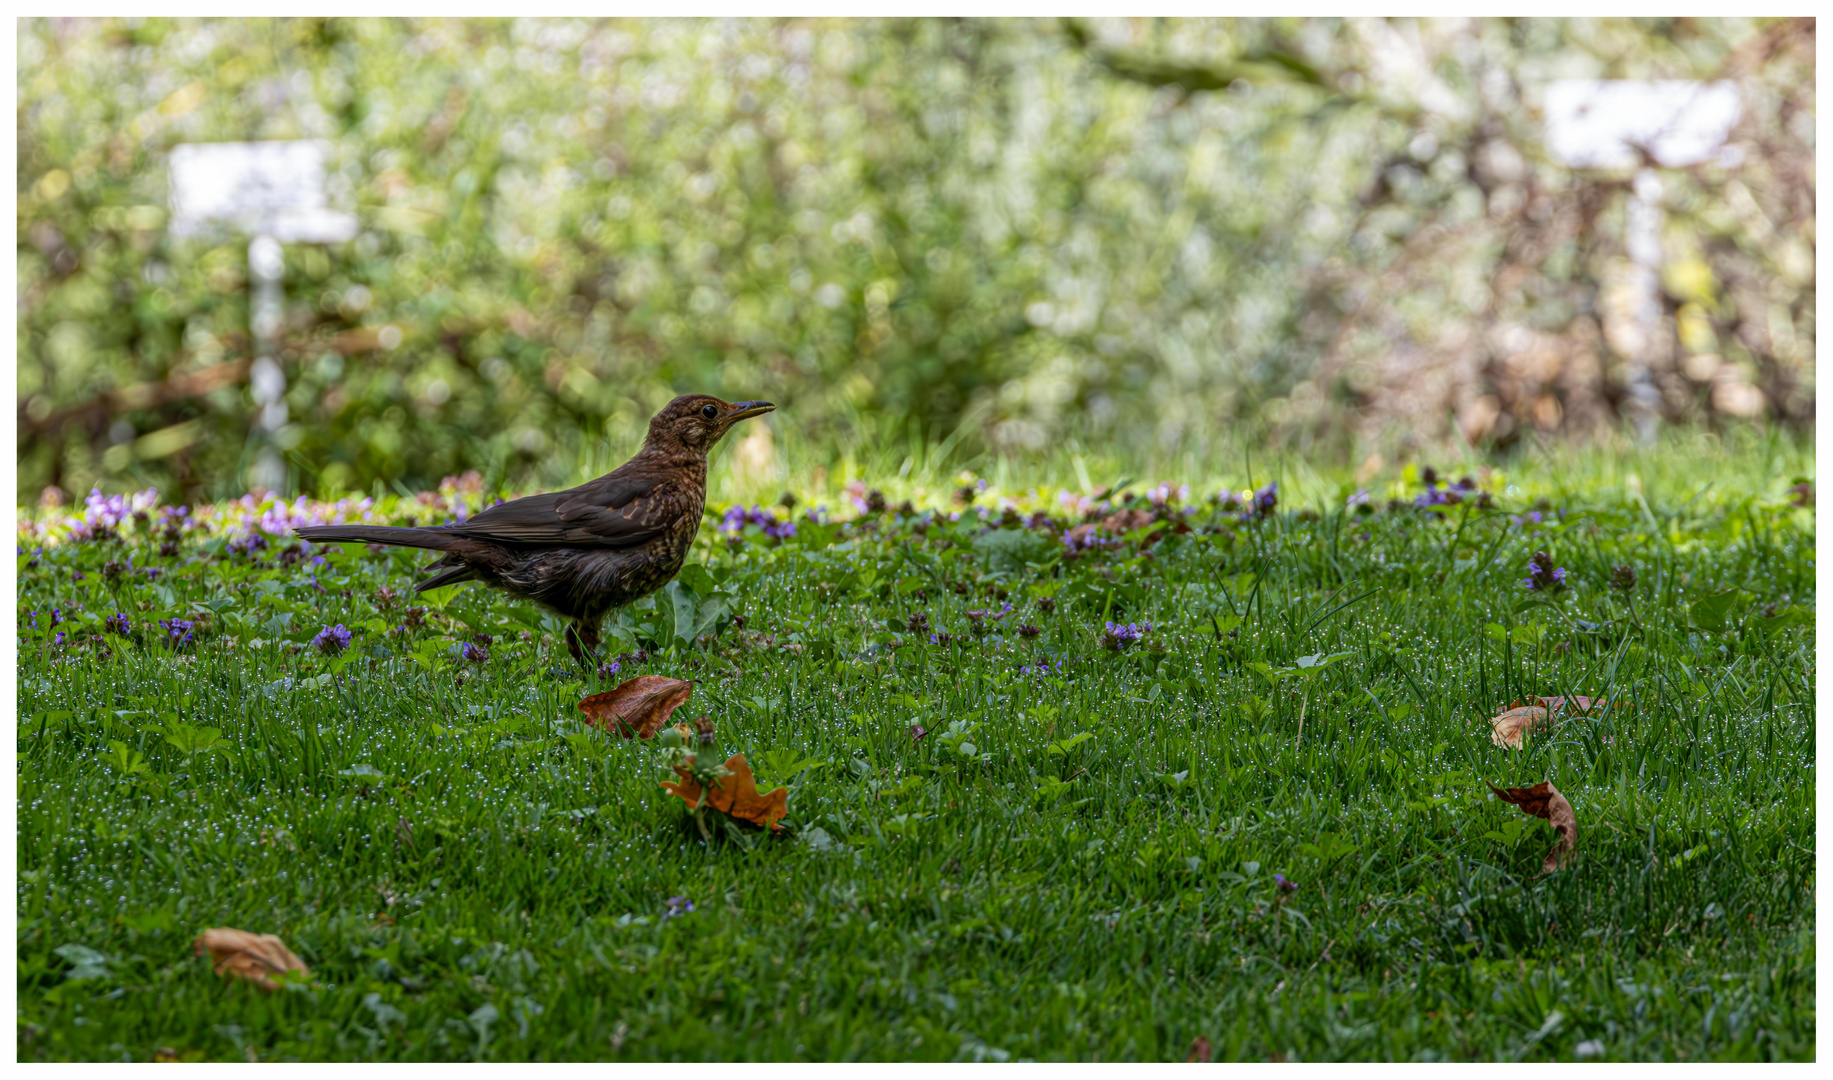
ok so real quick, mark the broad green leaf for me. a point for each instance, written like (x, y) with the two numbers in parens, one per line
(1713, 612)
(695, 576)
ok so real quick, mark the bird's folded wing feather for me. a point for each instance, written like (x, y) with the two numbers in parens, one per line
(608, 512)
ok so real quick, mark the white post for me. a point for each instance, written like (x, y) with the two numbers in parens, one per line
(267, 381)
(1642, 238)
(1617, 124)
(273, 192)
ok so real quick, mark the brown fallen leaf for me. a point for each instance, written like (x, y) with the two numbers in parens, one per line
(1510, 727)
(917, 731)
(1544, 801)
(736, 794)
(1577, 703)
(1200, 1050)
(255, 957)
(637, 707)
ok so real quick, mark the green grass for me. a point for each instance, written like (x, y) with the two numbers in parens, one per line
(471, 873)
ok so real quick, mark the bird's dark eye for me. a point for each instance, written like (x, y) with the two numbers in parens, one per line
(708, 411)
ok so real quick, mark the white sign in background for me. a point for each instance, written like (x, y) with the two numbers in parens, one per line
(1631, 124)
(272, 189)
(273, 192)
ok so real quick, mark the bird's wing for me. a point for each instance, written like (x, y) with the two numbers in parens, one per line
(611, 511)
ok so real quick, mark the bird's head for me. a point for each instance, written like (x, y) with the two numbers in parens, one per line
(695, 422)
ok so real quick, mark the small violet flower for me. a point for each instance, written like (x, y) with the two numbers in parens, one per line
(678, 905)
(1543, 576)
(178, 631)
(332, 640)
(1118, 636)
(1284, 885)
(118, 624)
(1266, 498)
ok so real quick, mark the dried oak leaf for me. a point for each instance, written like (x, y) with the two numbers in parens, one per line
(255, 957)
(1577, 703)
(736, 794)
(1513, 724)
(1543, 800)
(1518, 720)
(637, 707)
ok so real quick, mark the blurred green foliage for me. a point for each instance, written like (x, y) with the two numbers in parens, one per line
(993, 231)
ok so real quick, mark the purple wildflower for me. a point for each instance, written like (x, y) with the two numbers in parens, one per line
(1085, 538)
(332, 640)
(1285, 886)
(246, 544)
(1543, 576)
(678, 905)
(178, 631)
(118, 623)
(1118, 636)
(475, 653)
(1623, 579)
(1266, 498)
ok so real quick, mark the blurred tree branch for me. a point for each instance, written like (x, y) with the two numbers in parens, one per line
(1266, 65)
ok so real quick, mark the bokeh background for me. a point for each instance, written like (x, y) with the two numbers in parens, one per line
(985, 236)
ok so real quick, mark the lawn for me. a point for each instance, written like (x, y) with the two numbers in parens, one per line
(1251, 819)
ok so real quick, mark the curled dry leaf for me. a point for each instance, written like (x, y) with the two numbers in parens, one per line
(1519, 720)
(1577, 703)
(255, 957)
(736, 794)
(1514, 724)
(1544, 801)
(637, 707)
(1200, 1050)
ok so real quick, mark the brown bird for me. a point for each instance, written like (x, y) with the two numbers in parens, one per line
(586, 550)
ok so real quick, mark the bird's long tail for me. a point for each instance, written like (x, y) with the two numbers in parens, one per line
(380, 534)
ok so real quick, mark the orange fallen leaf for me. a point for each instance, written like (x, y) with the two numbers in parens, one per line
(637, 707)
(1200, 1050)
(1512, 725)
(1544, 801)
(255, 957)
(1577, 703)
(736, 794)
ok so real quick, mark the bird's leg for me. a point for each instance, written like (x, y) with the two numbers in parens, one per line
(582, 640)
